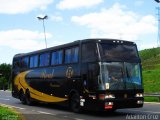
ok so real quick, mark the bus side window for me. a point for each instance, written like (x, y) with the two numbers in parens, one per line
(89, 52)
(68, 53)
(71, 55)
(75, 52)
(44, 59)
(17, 63)
(57, 57)
(25, 62)
(33, 61)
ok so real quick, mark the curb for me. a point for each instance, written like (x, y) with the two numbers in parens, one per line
(152, 103)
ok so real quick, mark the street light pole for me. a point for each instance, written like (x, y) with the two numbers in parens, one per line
(43, 18)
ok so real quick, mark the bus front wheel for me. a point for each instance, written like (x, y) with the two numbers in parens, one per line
(75, 103)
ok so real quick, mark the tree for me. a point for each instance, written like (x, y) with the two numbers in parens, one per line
(5, 73)
(3, 83)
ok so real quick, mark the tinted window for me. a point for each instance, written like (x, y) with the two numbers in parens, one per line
(89, 52)
(118, 52)
(71, 55)
(75, 54)
(44, 59)
(33, 61)
(57, 57)
(17, 63)
(68, 56)
(25, 62)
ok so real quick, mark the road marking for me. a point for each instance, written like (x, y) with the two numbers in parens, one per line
(144, 111)
(19, 108)
(46, 113)
(78, 119)
(4, 99)
(5, 91)
(10, 106)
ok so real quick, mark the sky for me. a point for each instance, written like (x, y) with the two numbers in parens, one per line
(70, 20)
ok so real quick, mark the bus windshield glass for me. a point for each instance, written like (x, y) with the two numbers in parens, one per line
(120, 76)
(118, 52)
(120, 67)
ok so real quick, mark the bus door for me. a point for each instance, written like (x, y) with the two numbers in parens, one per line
(93, 72)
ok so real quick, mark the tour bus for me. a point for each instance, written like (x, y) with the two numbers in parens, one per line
(89, 74)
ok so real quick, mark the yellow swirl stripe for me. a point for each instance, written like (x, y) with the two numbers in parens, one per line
(20, 82)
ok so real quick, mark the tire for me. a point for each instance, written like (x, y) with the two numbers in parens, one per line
(28, 98)
(22, 97)
(75, 103)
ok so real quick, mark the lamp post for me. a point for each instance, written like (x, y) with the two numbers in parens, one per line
(44, 18)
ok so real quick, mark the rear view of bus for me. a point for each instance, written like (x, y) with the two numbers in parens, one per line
(117, 76)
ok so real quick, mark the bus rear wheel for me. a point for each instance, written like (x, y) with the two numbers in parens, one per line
(28, 98)
(22, 97)
(75, 103)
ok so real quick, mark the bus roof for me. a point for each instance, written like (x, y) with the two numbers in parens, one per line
(77, 42)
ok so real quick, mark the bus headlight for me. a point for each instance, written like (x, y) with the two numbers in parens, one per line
(139, 102)
(110, 96)
(139, 95)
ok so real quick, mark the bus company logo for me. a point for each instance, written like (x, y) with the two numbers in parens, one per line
(46, 75)
(69, 72)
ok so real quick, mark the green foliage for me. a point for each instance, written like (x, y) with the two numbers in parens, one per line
(149, 53)
(151, 80)
(151, 99)
(151, 71)
(8, 114)
(5, 70)
(5, 74)
(3, 82)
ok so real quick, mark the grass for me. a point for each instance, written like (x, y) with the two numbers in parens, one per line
(151, 99)
(8, 114)
(151, 81)
(151, 72)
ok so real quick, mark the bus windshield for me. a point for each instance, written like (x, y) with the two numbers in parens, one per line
(120, 76)
(120, 67)
(118, 52)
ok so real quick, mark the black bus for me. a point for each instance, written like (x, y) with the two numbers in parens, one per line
(92, 74)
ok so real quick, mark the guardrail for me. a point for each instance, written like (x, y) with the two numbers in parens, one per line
(152, 95)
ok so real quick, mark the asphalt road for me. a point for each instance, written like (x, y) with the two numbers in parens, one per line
(150, 111)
